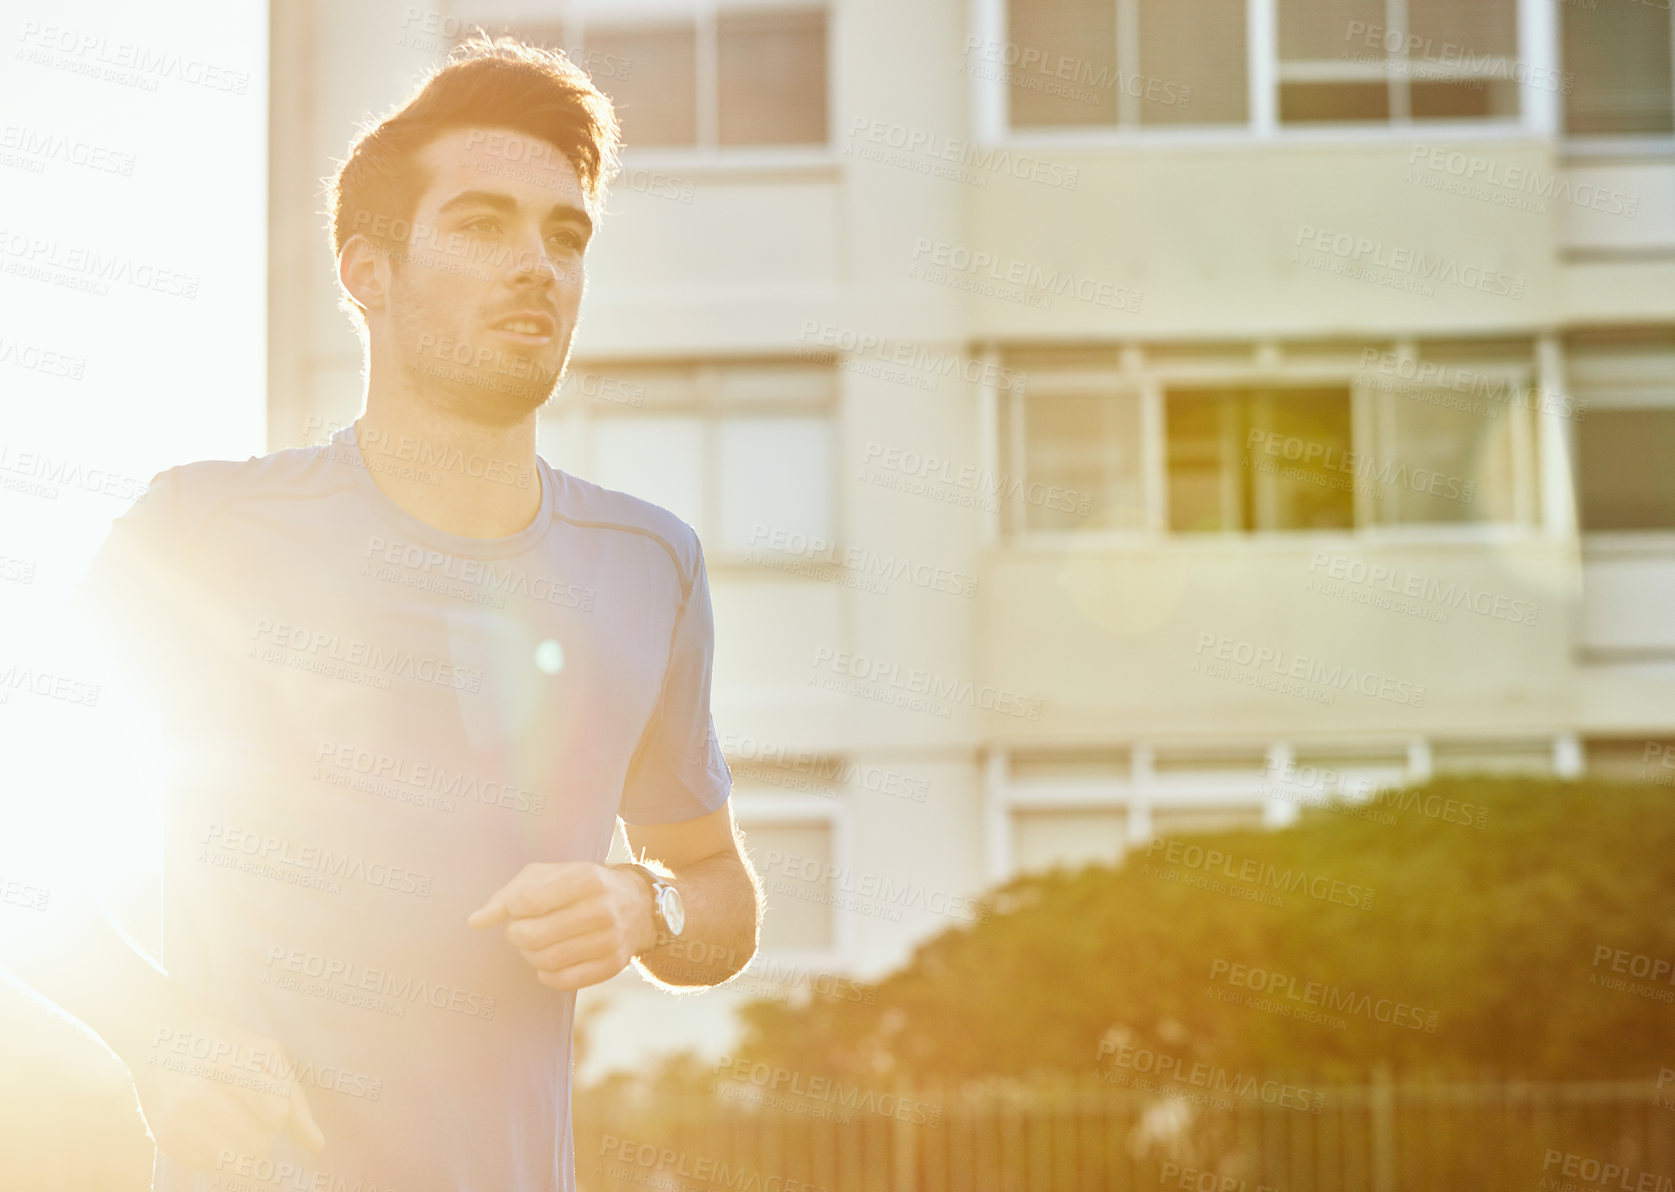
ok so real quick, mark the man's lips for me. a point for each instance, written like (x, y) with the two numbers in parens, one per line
(526, 325)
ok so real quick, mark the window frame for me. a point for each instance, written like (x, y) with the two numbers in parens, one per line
(1538, 117)
(1143, 790)
(1625, 393)
(1613, 144)
(1152, 378)
(574, 418)
(704, 16)
(770, 808)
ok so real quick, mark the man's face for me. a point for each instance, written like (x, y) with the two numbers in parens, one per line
(484, 304)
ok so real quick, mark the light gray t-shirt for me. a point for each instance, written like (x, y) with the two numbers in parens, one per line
(372, 727)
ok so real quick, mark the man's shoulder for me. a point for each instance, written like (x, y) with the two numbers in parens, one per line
(587, 505)
(194, 493)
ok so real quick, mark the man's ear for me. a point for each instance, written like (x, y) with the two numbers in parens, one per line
(364, 273)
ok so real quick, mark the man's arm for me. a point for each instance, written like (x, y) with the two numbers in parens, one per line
(204, 1084)
(578, 923)
(719, 890)
(74, 956)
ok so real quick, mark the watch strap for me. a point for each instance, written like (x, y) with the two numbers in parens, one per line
(658, 884)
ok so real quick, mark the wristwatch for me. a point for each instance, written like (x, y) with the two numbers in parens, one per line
(668, 913)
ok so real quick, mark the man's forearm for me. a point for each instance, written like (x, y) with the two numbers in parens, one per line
(722, 898)
(77, 959)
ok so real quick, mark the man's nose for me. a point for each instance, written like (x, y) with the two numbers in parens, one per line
(530, 264)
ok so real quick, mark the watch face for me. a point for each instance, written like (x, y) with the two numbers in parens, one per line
(674, 914)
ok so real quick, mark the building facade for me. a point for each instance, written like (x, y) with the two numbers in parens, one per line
(1103, 418)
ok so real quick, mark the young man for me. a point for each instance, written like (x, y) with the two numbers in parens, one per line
(409, 681)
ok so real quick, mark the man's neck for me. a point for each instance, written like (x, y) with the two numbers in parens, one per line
(460, 477)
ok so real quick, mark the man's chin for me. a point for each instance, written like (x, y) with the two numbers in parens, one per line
(489, 397)
(500, 407)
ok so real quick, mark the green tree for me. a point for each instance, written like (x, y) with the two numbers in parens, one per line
(1504, 939)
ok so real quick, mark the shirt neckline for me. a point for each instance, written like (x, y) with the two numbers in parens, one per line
(347, 451)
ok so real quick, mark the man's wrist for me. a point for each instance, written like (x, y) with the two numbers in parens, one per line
(647, 935)
(154, 1007)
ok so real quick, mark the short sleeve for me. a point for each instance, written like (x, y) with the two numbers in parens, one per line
(678, 772)
(132, 596)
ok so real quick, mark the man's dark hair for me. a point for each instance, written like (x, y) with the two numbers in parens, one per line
(485, 83)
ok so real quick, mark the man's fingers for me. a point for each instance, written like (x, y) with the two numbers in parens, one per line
(601, 945)
(557, 927)
(221, 1125)
(579, 976)
(491, 913)
(300, 1125)
(268, 1104)
(538, 889)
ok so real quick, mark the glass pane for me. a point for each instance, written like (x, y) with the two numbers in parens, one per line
(1617, 53)
(1299, 459)
(1464, 99)
(1044, 839)
(792, 860)
(1316, 30)
(1626, 465)
(1192, 62)
(657, 459)
(775, 472)
(1630, 759)
(1087, 445)
(608, 385)
(1328, 103)
(1206, 487)
(1070, 76)
(1464, 28)
(778, 384)
(1254, 459)
(771, 78)
(1492, 757)
(1182, 821)
(1434, 464)
(654, 82)
(1111, 766)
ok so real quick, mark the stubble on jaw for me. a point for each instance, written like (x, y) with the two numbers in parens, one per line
(497, 394)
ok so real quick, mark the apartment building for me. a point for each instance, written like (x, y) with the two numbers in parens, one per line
(1103, 418)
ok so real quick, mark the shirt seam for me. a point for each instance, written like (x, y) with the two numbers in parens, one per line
(686, 581)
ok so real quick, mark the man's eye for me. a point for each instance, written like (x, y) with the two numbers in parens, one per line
(569, 240)
(483, 223)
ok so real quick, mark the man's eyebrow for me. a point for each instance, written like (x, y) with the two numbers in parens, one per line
(496, 201)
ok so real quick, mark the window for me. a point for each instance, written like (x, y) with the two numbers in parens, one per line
(722, 446)
(734, 78)
(1206, 788)
(1627, 465)
(1161, 63)
(1624, 379)
(1147, 438)
(1492, 757)
(1121, 63)
(1320, 774)
(771, 77)
(1073, 425)
(1259, 459)
(1617, 55)
(1431, 460)
(793, 857)
(1182, 821)
(1044, 839)
(656, 96)
(1068, 807)
(1397, 60)
(1631, 759)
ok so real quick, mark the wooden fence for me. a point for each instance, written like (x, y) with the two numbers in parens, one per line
(1226, 1135)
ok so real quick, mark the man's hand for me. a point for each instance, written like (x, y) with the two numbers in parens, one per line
(207, 1086)
(575, 922)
